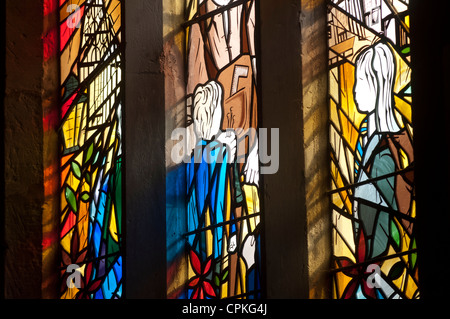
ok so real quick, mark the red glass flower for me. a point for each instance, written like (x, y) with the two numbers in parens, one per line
(358, 271)
(202, 287)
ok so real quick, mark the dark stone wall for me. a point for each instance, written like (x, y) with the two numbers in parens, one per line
(144, 141)
(314, 57)
(284, 203)
(23, 149)
(2, 151)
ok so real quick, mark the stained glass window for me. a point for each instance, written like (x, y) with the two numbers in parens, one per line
(372, 158)
(91, 148)
(223, 197)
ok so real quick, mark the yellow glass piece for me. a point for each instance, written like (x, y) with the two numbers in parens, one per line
(82, 269)
(403, 107)
(348, 106)
(66, 241)
(411, 288)
(192, 9)
(72, 181)
(112, 139)
(334, 292)
(228, 207)
(334, 114)
(243, 276)
(252, 199)
(400, 281)
(191, 272)
(403, 74)
(70, 293)
(82, 132)
(224, 290)
(405, 238)
(114, 11)
(336, 198)
(63, 205)
(344, 46)
(333, 84)
(113, 224)
(337, 178)
(72, 125)
(94, 174)
(342, 281)
(68, 127)
(413, 209)
(79, 158)
(404, 161)
(343, 239)
(105, 135)
(238, 286)
(345, 162)
(83, 224)
(109, 161)
(388, 263)
(209, 235)
(399, 118)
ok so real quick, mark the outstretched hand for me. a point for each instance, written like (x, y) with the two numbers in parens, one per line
(251, 169)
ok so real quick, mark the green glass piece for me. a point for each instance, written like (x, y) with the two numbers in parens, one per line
(395, 234)
(413, 256)
(225, 275)
(85, 197)
(216, 280)
(396, 270)
(71, 199)
(88, 178)
(89, 153)
(76, 169)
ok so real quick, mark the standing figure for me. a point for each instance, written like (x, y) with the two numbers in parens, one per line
(383, 148)
(207, 177)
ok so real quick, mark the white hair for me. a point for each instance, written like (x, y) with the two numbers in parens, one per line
(378, 65)
(207, 102)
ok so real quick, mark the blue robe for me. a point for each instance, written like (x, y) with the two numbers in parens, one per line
(206, 188)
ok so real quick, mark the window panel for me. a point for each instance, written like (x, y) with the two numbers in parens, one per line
(371, 152)
(91, 158)
(223, 206)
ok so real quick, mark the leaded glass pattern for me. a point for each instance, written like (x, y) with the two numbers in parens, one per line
(223, 205)
(372, 158)
(91, 148)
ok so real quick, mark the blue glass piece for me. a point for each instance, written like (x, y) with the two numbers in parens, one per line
(96, 239)
(118, 268)
(109, 286)
(98, 294)
(359, 293)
